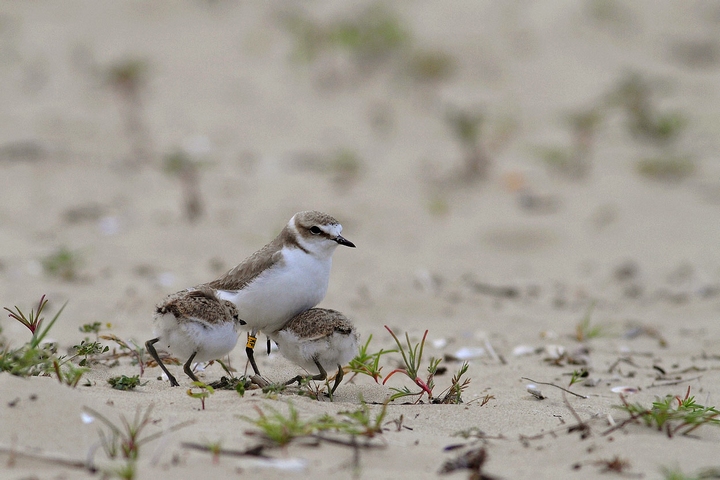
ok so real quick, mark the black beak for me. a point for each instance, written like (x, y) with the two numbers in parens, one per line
(344, 241)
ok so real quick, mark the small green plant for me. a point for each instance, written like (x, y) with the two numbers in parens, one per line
(575, 160)
(314, 390)
(668, 168)
(124, 382)
(673, 414)
(430, 66)
(472, 432)
(126, 471)
(215, 449)
(577, 376)
(280, 429)
(438, 205)
(412, 358)
(432, 371)
(584, 125)
(181, 165)
(634, 94)
(370, 37)
(204, 391)
(71, 375)
(453, 394)
(362, 422)
(128, 77)
(35, 357)
(131, 349)
(584, 330)
(677, 474)
(272, 389)
(556, 158)
(342, 165)
(33, 321)
(368, 363)
(89, 351)
(466, 127)
(26, 361)
(94, 327)
(63, 263)
(239, 384)
(123, 441)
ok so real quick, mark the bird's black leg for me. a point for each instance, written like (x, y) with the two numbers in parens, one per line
(323, 374)
(338, 379)
(153, 353)
(320, 376)
(250, 352)
(188, 370)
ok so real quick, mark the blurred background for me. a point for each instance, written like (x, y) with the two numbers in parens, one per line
(493, 161)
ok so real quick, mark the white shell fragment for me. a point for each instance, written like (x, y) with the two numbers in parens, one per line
(523, 350)
(625, 390)
(468, 353)
(87, 418)
(533, 390)
(439, 343)
(555, 352)
(285, 464)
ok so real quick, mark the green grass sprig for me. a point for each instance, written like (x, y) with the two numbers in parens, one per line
(672, 414)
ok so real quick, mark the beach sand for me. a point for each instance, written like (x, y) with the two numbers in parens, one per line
(501, 269)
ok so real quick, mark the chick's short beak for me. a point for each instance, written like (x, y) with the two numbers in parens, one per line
(344, 241)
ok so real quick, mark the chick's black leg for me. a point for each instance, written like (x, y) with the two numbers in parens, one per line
(320, 376)
(338, 379)
(149, 346)
(188, 370)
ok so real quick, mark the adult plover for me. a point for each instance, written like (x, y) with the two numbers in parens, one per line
(287, 276)
(196, 325)
(318, 340)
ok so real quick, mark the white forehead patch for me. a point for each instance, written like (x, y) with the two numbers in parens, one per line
(332, 230)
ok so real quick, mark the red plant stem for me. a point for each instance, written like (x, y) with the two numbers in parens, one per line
(397, 370)
(423, 385)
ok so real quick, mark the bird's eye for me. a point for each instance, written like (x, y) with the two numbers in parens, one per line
(315, 230)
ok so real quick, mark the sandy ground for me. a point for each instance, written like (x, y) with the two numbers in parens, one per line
(223, 84)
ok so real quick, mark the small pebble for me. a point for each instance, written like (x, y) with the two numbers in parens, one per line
(591, 382)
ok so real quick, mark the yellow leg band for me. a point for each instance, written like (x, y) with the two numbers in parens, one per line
(251, 341)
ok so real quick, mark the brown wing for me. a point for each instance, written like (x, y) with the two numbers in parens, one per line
(318, 323)
(201, 303)
(244, 274)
